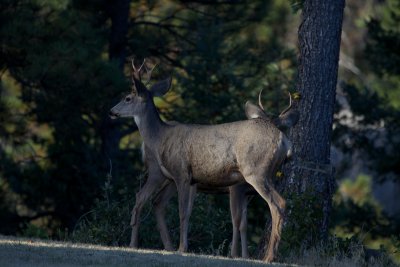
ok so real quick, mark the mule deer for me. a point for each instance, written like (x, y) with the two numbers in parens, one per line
(214, 155)
(238, 193)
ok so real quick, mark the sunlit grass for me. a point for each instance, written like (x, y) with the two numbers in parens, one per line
(33, 252)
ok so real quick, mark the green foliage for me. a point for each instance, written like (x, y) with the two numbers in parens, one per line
(108, 223)
(374, 100)
(34, 231)
(302, 228)
(357, 215)
(211, 227)
(383, 41)
(354, 200)
(58, 83)
(57, 62)
(221, 61)
(296, 5)
(339, 252)
(346, 245)
(379, 145)
(357, 223)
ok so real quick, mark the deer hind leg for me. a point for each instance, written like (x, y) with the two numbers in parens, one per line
(235, 215)
(243, 221)
(277, 207)
(160, 204)
(186, 195)
(238, 205)
(153, 182)
(243, 233)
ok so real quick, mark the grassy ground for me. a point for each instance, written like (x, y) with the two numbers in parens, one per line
(33, 252)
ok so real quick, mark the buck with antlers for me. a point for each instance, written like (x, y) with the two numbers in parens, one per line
(238, 193)
(222, 155)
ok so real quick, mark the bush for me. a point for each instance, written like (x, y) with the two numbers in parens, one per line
(108, 223)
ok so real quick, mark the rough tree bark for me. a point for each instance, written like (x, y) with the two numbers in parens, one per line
(319, 43)
(118, 12)
(309, 180)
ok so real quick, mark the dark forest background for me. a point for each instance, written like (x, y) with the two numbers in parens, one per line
(68, 172)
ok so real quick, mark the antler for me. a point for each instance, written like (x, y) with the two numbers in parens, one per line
(136, 72)
(289, 107)
(259, 100)
(149, 72)
(284, 111)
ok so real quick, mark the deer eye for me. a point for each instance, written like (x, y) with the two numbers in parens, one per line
(128, 99)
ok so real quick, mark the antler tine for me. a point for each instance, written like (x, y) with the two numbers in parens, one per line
(149, 73)
(137, 71)
(259, 100)
(133, 64)
(289, 107)
(144, 61)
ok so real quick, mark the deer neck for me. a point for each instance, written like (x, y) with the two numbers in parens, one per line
(150, 126)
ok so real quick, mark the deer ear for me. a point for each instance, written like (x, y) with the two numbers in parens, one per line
(253, 111)
(161, 87)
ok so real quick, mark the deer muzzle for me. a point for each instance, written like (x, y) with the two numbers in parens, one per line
(113, 115)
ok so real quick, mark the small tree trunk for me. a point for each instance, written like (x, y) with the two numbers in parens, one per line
(118, 11)
(309, 182)
(119, 14)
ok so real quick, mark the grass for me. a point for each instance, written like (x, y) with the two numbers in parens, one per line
(34, 252)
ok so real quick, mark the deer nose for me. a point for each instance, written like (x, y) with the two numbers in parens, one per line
(112, 114)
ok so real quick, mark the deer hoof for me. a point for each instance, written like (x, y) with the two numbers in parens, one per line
(182, 249)
(269, 258)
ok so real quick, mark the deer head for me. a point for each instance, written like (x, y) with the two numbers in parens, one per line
(140, 98)
(284, 121)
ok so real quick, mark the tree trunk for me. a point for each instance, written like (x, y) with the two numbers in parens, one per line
(309, 182)
(118, 12)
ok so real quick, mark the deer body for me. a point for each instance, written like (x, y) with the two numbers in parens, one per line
(217, 155)
(238, 193)
(220, 155)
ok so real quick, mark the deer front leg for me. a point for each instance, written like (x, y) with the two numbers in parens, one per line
(160, 204)
(238, 205)
(154, 181)
(186, 195)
